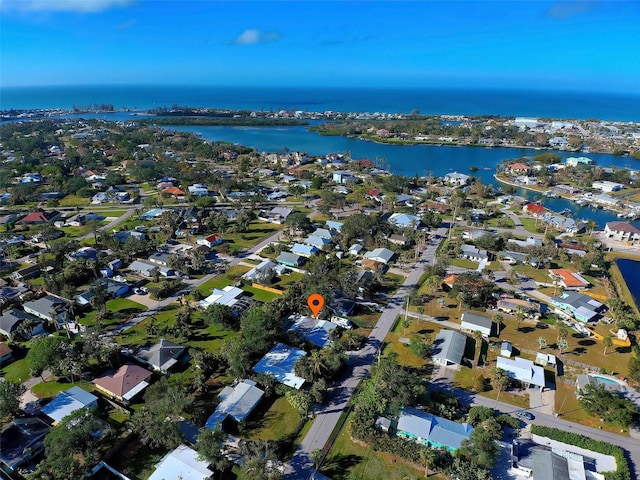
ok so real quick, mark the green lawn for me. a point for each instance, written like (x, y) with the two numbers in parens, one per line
(275, 420)
(529, 225)
(230, 277)
(260, 295)
(117, 309)
(17, 371)
(463, 263)
(51, 389)
(258, 231)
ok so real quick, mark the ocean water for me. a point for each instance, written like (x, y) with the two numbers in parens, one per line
(630, 270)
(571, 105)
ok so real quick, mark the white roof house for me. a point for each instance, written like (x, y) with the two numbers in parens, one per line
(236, 402)
(404, 220)
(182, 463)
(474, 322)
(228, 296)
(522, 370)
(449, 347)
(382, 255)
(68, 402)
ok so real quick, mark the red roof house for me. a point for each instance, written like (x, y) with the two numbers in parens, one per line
(534, 209)
(173, 191)
(519, 167)
(125, 384)
(210, 240)
(37, 218)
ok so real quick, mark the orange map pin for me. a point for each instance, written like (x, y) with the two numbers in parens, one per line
(315, 302)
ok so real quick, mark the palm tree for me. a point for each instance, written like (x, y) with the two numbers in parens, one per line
(427, 456)
(607, 341)
(562, 345)
(497, 319)
(477, 336)
(520, 314)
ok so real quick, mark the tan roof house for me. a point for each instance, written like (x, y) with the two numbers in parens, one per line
(124, 384)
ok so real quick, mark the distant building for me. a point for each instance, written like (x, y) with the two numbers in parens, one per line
(457, 179)
(575, 161)
(607, 186)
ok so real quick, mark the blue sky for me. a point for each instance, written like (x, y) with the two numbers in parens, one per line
(579, 45)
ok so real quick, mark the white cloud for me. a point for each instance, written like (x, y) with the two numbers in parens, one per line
(82, 6)
(252, 36)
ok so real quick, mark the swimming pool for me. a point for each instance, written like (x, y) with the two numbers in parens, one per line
(606, 379)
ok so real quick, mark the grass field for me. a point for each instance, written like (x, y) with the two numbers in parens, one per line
(463, 263)
(118, 309)
(230, 277)
(257, 231)
(348, 460)
(275, 420)
(17, 372)
(52, 388)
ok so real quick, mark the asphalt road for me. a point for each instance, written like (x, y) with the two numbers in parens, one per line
(300, 466)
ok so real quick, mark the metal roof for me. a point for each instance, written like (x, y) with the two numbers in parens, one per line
(449, 345)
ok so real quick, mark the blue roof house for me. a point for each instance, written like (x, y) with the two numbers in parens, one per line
(280, 362)
(312, 330)
(68, 402)
(429, 430)
(304, 250)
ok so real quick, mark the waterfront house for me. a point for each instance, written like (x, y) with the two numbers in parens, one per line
(534, 209)
(575, 161)
(607, 186)
(67, 402)
(280, 362)
(562, 223)
(448, 347)
(473, 322)
(622, 232)
(236, 402)
(126, 383)
(519, 168)
(522, 370)
(457, 179)
(429, 430)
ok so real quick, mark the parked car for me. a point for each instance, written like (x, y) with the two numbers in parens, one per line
(524, 414)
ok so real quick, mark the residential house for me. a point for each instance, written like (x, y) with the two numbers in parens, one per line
(404, 220)
(577, 305)
(457, 179)
(48, 308)
(606, 200)
(276, 215)
(506, 349)
(145, 269)
(304, 250)
(67, 402)
(562, 223)
(342, 177)
(159, 258)
(6, 353)
(575, 161)
(210, 240)
(112, 289)
(123, 385)
(607, 186)
(522, 370)
(534, 209)
(528, 242)
(399, 240)
(182, 463)
(315, 241)
(355, 249)
(573, 249)
(333, 225)
(512, 305)
(38, 218)
(341, 305)
(432, 431)
(519, 168)
(280, 362)
(124, 236)
(381, 255)
(473, 235)
(471, 252)
(290, 259)
(236, 402)
(11, 320)
(473, 322)
(198, 190)
(27, 273)
(162, 356)
(228, 296)
(267, 269)
(448, 347)
(569, 279)
(312, 330)
(622, 232)
(517, 257)
(22, 441)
